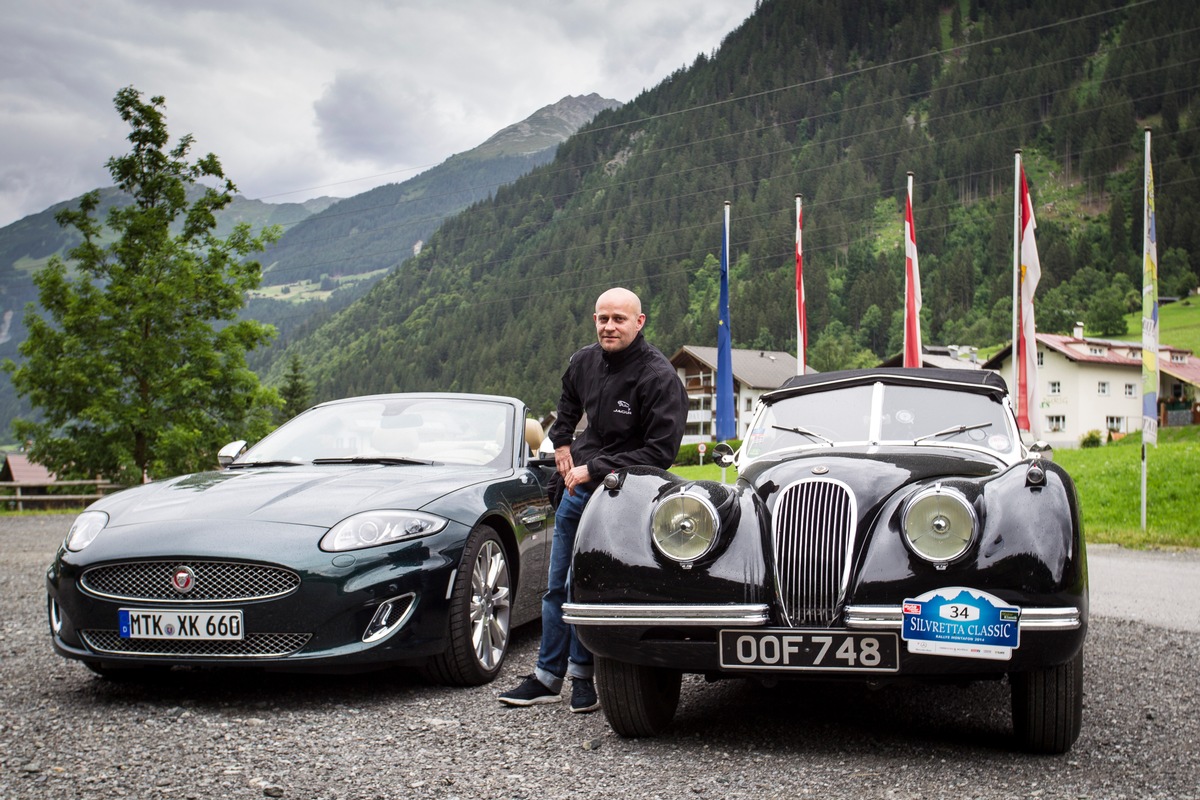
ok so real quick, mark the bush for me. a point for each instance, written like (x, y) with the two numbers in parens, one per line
(1091, 439)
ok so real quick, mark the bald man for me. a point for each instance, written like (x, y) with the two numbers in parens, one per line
(636, 408)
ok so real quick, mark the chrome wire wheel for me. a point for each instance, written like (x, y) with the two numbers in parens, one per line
(491, 605)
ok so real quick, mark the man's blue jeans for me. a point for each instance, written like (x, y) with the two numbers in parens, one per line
(561, 652)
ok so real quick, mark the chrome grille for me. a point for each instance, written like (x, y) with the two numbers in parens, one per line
(255, 645)
(214, 581)
(813, 533)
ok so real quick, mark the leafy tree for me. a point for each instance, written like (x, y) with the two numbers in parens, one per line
(296, 391)
(131, 372)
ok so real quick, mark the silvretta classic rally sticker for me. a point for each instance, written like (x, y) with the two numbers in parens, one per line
(962, 622)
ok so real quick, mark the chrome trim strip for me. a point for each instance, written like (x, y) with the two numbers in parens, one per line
(665, 614)
(1066, 618)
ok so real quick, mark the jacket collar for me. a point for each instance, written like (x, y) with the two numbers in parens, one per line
(620, 358)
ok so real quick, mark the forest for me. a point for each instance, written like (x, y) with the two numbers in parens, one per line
(836, 102)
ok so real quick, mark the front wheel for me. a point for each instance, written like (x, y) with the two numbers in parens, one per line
(480, 614)
(1047, 706)
(637, 700)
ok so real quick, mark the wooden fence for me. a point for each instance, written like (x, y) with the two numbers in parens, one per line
(23, 495)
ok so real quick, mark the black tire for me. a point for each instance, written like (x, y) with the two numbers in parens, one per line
(637, 700)
(480, 614)
(1047, 707)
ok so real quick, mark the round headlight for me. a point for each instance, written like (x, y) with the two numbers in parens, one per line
(684, 526)
(939, 523)
(85, 529)
(374, 528)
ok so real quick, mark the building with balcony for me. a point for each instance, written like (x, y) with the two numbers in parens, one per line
(754, 372)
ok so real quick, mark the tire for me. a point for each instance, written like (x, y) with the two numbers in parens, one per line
(1047, 707)
(637, 700)
(480, 614)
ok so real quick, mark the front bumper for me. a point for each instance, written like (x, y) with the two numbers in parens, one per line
(685, 636)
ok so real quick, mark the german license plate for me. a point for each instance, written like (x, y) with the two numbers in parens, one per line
(141, 623)
(822, 650)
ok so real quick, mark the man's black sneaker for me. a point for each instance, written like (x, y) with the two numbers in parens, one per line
(583, 696)
(531, 692)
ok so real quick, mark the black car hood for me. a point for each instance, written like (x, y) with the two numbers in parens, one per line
(873, 474)
(304, 495)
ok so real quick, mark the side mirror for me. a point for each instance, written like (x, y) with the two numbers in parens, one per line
(227, 454)
(723, 455)
(1042, 450)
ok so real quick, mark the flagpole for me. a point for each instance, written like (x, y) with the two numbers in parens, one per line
(801, 310)
(1149, 318)
(1016, 293)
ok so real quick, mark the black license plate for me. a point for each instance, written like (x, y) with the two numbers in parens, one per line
(818, 650)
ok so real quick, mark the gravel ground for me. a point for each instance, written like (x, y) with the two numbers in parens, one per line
(67, 734)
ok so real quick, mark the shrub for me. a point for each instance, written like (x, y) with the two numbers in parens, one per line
(1091, 439)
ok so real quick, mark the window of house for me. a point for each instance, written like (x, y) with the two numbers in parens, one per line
(1041, 361)
(1096, 351)
(1131, 390)
(1115, 424)
(749, 403)
(1056, 423)
(1178, 358)
(1102, 388)
(1055, 387)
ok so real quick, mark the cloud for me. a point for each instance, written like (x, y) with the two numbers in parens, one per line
(305, 97)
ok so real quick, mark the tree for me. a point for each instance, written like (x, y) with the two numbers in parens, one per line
(296, 391)
(140, 367)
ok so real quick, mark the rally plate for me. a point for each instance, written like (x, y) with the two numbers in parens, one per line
(818, 650)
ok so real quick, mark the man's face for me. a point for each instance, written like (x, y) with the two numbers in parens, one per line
(617, 322)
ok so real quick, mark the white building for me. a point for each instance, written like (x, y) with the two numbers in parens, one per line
(754, 372)
(1089, 384)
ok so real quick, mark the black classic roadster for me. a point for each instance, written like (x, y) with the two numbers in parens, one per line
(886, 524)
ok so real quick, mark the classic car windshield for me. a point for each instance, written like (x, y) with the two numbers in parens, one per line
(391, 430)
(880, 414)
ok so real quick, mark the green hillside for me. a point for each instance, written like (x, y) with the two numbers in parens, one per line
(838, 102)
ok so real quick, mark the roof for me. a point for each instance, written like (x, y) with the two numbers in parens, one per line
(974, 380)
(940, 357)
(757, 369)
(1116, 353)
(19, 469)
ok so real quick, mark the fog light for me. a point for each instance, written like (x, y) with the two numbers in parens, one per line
(390, 615)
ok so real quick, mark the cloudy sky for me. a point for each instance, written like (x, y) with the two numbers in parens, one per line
(300, 98)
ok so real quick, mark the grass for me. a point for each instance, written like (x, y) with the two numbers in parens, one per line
(1109, 483)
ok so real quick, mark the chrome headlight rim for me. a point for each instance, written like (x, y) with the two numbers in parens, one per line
(703, 505)
(939, 493)
(85, 529)
(379, 528)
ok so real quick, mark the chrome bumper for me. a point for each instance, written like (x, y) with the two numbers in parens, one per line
(752, 615)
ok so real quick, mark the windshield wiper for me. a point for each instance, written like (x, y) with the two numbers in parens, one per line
(953, 430)
(371, 460)
(237, 464)
(803, 432)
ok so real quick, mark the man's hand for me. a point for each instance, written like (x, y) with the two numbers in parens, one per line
(575, 476)
(562, 460)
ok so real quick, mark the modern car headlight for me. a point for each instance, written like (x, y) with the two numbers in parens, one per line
(684, 526)
(939, 523)
(373, 528)
(85, 529)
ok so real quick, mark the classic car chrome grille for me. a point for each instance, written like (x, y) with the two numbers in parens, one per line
(213, 581)
(813, 532)
(255, 645)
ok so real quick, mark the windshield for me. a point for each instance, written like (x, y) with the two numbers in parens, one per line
(393, 430)
(881, 414)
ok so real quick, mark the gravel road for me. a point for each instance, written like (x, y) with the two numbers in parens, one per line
(67, 734)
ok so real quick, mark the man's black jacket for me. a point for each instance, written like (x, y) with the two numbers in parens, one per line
(636, 408)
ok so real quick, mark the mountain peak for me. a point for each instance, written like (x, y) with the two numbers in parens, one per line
(546, 127)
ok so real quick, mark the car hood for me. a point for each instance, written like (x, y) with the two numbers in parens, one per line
(317, 496)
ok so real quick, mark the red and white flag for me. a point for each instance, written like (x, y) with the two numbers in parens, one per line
(912, 289)
(1031, 273)
(801, 317)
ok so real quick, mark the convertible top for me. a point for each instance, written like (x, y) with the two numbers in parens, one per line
(981, 380)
